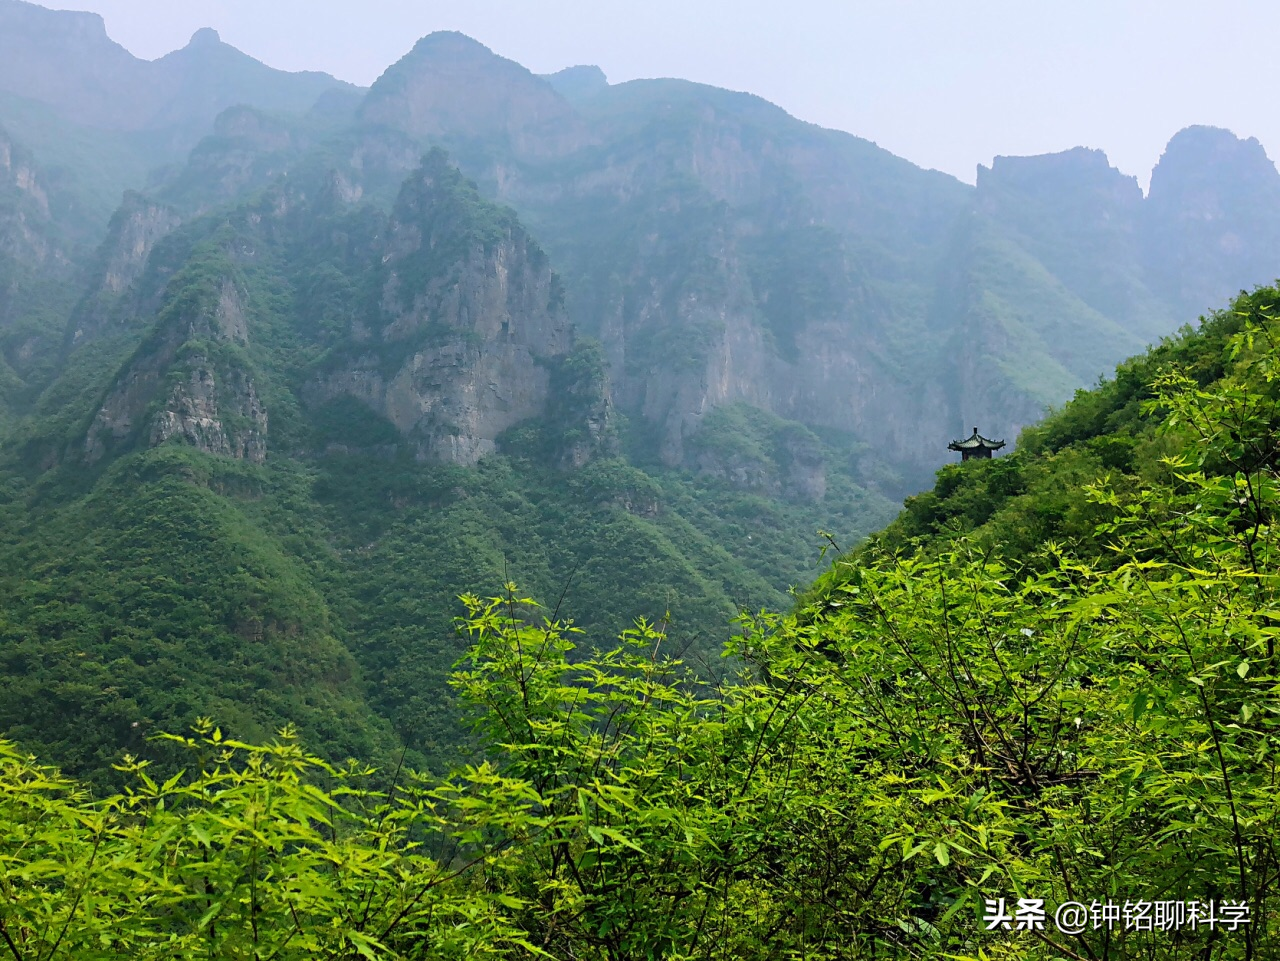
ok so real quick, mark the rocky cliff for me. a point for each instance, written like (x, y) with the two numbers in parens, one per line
(136, 228)
(443, 318)
(191, 379)
(725, 253)
(720, 251)
(1213, 219)
(630, 341)
(469, 323)
(37, 272)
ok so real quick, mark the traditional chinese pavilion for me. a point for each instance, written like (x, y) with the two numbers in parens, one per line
(975, 446)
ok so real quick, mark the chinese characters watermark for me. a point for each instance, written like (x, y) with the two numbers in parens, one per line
(1076, 917)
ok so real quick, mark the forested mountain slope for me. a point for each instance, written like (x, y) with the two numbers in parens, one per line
(1035, 713)
(630, 345)
(290, 433)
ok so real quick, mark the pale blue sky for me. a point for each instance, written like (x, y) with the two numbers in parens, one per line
(944, 83)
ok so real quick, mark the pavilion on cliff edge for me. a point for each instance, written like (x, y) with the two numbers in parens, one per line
(975, 446)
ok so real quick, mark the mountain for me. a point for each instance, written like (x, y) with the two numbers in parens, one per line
(288, 431)
(627, 346)
(66, 61)
(105, 118)
(807, 272)
(36, 271)
(1211, 230)
(1055, 672)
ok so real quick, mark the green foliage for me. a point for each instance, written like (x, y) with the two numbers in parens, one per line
(454, 222)
(1015, 503)
(350, 422)
(243, 855)
(938, 728)
(178, 587)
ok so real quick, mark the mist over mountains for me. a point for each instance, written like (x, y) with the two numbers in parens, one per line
(360, 350)
(800, 270)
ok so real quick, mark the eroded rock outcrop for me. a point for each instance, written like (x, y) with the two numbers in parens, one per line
(135, 229)
(190, 380)
(24, 222)
(1212, 224)
(469, 323)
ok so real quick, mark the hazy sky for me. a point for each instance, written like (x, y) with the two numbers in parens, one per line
(944, 83)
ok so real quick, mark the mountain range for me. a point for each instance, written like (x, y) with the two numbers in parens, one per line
(288, 364)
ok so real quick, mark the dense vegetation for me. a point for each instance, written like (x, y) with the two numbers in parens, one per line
(274, 459)
(147, 586)
(1086, 714)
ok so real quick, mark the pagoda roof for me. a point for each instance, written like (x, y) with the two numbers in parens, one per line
(974, 442)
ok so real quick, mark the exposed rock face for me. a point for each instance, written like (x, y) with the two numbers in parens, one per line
(1213, 225)
(201, 408)
(724, 253)
(721, 252)
(471, 319)
(18, 170)
(175, 387)
(247, 150)
(36, 270)
(24, 222)
(134, 231)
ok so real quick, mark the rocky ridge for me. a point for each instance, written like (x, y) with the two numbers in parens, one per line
(722, 253)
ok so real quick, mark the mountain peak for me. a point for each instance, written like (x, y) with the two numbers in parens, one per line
(1202, 154)
(1073, 171)
(204, 37)
(579, 81)
(450, 42)
(453, 87)
(1213, 228)
(20, 16)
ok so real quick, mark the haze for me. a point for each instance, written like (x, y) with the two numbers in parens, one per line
(945, 85)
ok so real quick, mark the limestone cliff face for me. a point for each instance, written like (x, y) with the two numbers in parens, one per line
(134, 231)
(190, 380)
(468, 327)
(725, 253)
(247, 150)
(216, 412)
(714, 311)
(17, 169)
(1212, 226)
(37, 272)
(24, 222)
(721, 252)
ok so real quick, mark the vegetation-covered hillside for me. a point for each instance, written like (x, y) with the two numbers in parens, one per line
(1059, 745)
(277, 456)
(272, 431)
